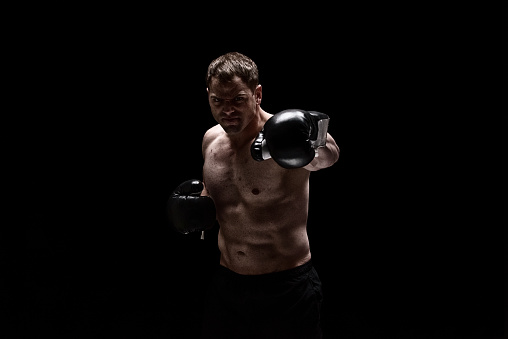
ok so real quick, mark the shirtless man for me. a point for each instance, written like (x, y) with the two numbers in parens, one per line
(256, 186)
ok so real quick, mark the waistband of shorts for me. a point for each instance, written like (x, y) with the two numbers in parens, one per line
(273, 276)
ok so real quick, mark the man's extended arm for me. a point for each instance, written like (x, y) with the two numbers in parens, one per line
(326, 156)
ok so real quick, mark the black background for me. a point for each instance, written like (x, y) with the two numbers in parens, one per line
(108, 119)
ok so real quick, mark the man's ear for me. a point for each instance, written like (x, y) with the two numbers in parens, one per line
(258, 93)
(207, 91)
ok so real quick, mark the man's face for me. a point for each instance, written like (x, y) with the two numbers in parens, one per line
(233, 104)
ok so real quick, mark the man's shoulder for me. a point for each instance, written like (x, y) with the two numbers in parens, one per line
(211, 135)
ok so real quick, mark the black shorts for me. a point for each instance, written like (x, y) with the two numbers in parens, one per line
(284, 304)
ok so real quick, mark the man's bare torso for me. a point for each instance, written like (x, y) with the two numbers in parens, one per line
(262, 208)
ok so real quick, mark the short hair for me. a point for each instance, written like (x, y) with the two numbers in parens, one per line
(232, 64)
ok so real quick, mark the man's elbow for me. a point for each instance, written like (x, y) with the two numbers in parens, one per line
(324, 158)
(336, 153)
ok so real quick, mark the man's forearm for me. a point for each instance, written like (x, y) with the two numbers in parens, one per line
(326, 157)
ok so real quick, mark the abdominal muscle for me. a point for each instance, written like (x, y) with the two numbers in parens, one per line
(259, 241)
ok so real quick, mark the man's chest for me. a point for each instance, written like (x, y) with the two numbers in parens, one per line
(235, 175)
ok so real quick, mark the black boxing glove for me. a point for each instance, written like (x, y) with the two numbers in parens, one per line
(291, 138)
(188, 211)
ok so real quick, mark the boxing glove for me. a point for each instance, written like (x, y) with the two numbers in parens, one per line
(291, 138)
(188, 211)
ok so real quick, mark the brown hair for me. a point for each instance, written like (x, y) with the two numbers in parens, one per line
(229, 65)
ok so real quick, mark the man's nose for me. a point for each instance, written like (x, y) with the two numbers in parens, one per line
(228, 107)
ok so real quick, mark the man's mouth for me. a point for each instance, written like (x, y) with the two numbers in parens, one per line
(231, 120)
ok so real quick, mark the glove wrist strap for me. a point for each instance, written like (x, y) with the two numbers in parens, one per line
(321, 122)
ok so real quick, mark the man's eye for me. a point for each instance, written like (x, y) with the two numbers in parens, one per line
(239, 99)
(215, 99)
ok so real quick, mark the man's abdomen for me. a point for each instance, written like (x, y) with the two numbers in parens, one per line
(249, 247)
